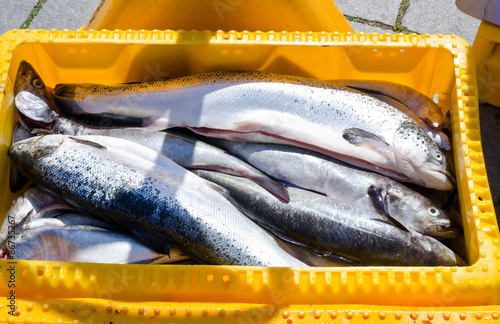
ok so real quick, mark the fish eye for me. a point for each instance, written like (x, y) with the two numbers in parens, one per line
(438, 156)
(432, 211)
(37, 83)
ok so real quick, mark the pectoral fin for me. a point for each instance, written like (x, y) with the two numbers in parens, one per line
(375, 194)
(85, 142)
(359, 137)
(377, 200)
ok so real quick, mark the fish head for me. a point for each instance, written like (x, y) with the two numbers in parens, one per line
(420, 212)
(26, 153)
(419, 158)
(34, 102)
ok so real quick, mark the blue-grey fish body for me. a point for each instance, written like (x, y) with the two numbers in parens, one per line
(159, 206)
(368, 190)
(333, 227)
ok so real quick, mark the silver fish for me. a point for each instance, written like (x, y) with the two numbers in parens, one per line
(31, 204)
(184, 149)
(85, 244)
(268, 107)
(331, 226)
(159, 205)
(318, 172)
(70, 219)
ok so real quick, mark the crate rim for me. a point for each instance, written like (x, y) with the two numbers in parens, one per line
(449, 280)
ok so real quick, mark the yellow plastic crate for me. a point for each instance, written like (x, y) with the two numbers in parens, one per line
(438, 66)
(265, 15)
(487, 57)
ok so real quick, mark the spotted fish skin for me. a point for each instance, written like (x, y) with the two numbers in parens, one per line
(160, 206)
(266, 107)
(410, 139)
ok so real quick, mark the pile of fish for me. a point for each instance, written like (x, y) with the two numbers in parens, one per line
(234, 168)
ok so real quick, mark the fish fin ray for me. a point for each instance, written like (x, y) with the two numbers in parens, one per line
(360, 137)
(90, 143)
(378, 202)
(375, 194)
(394, 222)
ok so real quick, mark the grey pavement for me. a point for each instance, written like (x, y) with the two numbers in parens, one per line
(384, 11)
(14, 13)
(442, 17)
(74, 15)
(367, 28)
(369, 16)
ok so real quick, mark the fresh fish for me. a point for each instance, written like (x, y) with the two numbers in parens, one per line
(268, 107)
(159, 205)
(420, 104)
(438, 136)
(184, 149)
(32, 204)
(442, 199)
(34, 103)
(318, 172)
(333, 227)
(16, 179)
(85, 244)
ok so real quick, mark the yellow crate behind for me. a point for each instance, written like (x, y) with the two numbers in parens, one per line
(438, 66)
(264, 15)
(487, 56)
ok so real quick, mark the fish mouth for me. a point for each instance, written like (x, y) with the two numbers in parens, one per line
(445, 231)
